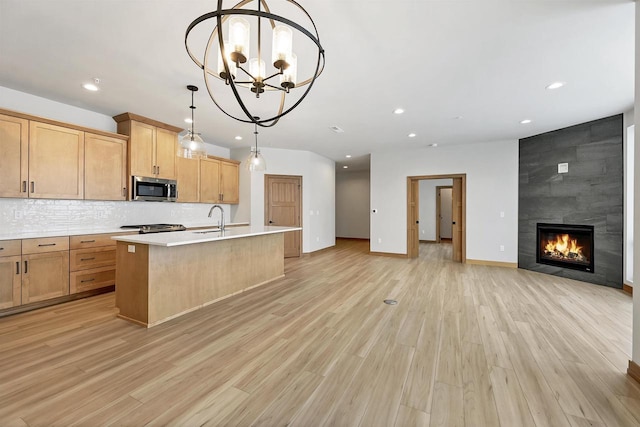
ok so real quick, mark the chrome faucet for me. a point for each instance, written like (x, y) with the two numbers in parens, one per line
(221, 222)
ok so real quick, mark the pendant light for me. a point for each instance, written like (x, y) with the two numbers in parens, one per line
(191, 145)
(255, 162)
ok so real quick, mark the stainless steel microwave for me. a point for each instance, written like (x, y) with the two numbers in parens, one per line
(154, 189)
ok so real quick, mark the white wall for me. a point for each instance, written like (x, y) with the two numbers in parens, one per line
(636, 203)
(427, 205)
(353, 193)
(318, 192)
(492, 187)
(629, 167)
(25, 215)
(35, 105)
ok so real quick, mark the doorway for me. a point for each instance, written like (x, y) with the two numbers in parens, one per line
(458, 214)
(283, 207)
(444, 214)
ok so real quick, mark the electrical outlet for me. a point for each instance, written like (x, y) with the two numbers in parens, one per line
(501, 248)
(17, 214)
(317, 239)
(501, 214)
(379, 240)
(131, 248)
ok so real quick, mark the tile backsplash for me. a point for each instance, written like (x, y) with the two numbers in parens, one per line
(35, 215)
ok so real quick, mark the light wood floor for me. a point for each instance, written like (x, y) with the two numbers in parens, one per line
(466, 345)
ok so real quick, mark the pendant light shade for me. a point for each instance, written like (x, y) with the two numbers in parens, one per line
(191, 145)
(255, 162)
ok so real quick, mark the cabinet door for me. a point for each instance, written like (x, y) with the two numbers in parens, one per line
(209, 181)
(229, 187)
(45, 276)
(10, 279)
(166, 153)
(188, 180)
(142, 142)
(56, 162)
(105, 168)
(14, 146)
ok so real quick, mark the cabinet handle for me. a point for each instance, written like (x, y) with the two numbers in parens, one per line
(47, 244)
(87, 259)
(24, 186)
(1, 249)
(124, 191)
(221, 196)
(18, 267)
(33, 186)
(158, 170)
(87, 241)
(26, 267)
(87, 280)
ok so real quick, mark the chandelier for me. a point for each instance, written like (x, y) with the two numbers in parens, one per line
(258, 89)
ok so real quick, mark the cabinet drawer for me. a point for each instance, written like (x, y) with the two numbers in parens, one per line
(10, 247)
(93, 240)
(82, 259)
(45, 244)
(92, 279)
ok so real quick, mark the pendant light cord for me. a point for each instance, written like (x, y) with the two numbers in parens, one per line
(192, 108)
(255, 132)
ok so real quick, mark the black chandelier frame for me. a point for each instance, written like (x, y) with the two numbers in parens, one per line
(221, 15)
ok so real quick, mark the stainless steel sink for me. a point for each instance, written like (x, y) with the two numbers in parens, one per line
(217, 230)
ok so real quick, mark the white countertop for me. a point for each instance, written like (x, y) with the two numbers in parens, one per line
(178, 238)
(96, 230)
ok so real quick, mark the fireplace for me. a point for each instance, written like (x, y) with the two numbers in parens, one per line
(565, 245)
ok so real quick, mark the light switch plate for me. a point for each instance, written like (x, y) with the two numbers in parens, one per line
(563, 167)
(131, 248)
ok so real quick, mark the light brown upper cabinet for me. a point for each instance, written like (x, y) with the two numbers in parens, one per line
(229, 182)
(152, 146)
(188, 173)
(209, 181)
(46, 159)
(56, 162)
(14, 161)
(105, 171)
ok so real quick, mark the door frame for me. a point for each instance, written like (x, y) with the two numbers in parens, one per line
(439, 209)
(415, 180)
(266, 201)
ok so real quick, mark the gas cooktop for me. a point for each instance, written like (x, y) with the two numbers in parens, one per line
(157, 228)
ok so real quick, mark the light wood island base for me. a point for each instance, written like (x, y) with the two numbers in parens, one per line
(157, 283)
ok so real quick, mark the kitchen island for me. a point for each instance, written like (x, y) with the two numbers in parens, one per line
(165, 275)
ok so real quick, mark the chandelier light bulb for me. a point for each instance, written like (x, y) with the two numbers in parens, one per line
(239, 37)
(230, 63)
(289, 76)
(282, 46)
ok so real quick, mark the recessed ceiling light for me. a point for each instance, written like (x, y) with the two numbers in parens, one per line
(238, 138)
(188, 120)
(412, 135)
(555, 85)
(525, 121)
(398, 111)
(92, 86)
(348, 156)
(433, 145)
(345, 167)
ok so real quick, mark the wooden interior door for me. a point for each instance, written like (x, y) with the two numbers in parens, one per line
(457, 220)
(283, 202)
(413, 215)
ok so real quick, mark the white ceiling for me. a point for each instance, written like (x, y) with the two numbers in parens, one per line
(465, 71)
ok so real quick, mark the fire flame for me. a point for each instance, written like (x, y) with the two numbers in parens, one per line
(564, 245)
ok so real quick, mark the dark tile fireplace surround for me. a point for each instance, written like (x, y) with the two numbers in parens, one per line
(570, 224)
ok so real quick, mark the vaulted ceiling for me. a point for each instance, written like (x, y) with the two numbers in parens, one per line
(464, 71)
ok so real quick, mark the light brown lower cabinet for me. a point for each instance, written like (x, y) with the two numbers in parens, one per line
(93, 262)
(10, 281)
(45, 276)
